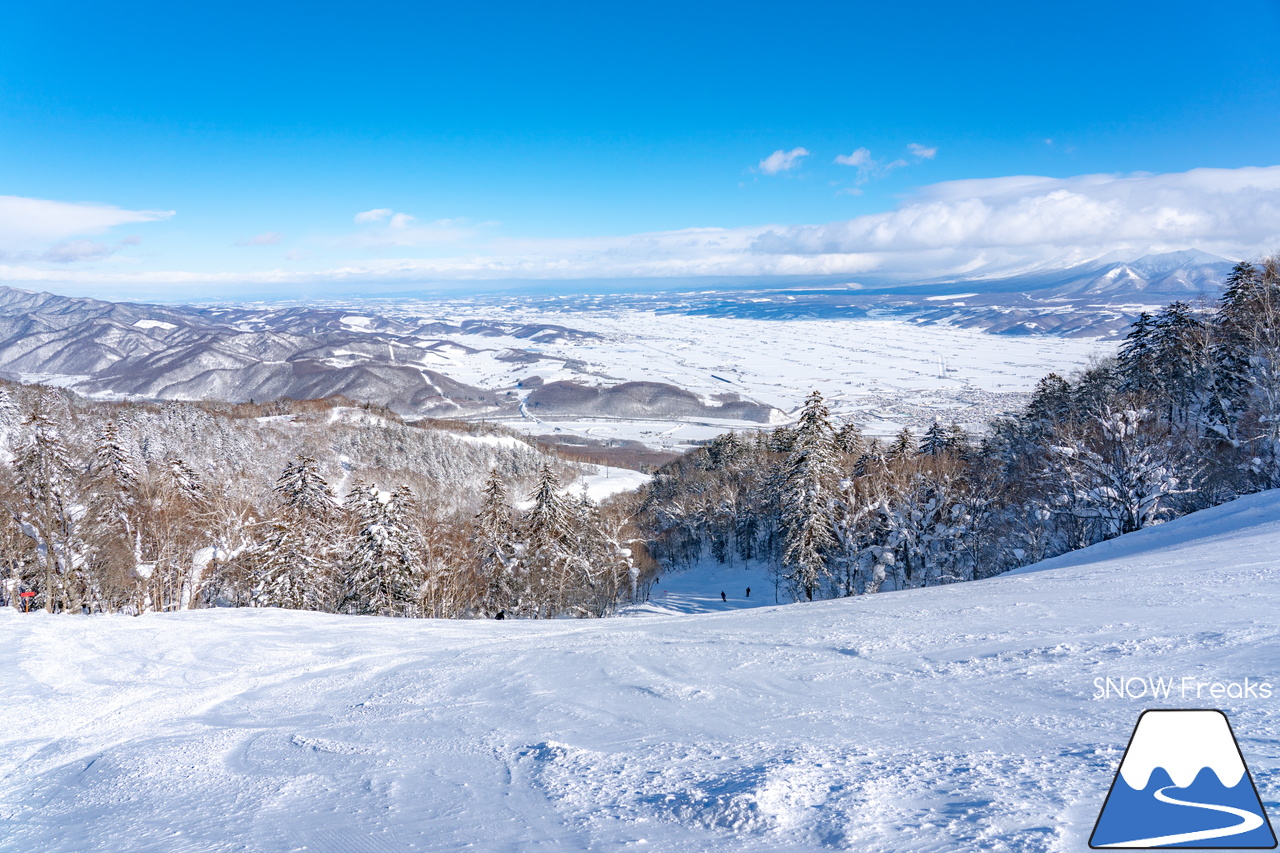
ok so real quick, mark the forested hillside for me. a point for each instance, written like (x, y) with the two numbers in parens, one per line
(1187, 416)
(325, 505)
(314, 505)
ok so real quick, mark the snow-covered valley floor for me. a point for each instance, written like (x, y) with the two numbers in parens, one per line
(949, 719)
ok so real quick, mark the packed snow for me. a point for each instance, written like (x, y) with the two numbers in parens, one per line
(698, 590)
(964, 717)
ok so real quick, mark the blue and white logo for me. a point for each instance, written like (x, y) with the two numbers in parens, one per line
(1183, 783)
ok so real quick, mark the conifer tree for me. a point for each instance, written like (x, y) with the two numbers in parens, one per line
(10, 414)
(904, 446)
(46, 511)
(296, 561)
(384, 568)
(1230, 350)
(1182, 351)
(10, 418)
(186, 482)
(936, 440)
(808, 500)
(849, 439)
(1051, 404)
(494, 544)
(548, 533)
(1139, 357)
(111, 521)
(302, 488)
(1251, 311)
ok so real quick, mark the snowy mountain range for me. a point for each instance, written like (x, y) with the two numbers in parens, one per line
(238, 354)
(417, 357)
(1095, 299)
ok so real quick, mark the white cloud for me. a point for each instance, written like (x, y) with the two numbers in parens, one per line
(31, 227)
(378, 214)
(73, 251)
(868, 167)
(947, 228)
(266, 238)
(964, 225)
(782, 161)
(388, 229)
(973, 226)
(860, 157)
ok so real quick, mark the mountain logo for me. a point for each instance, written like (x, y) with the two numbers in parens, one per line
(1183, 783)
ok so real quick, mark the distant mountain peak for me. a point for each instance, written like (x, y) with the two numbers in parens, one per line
(1166, 262)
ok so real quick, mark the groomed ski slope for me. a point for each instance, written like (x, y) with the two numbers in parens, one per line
(950, 719)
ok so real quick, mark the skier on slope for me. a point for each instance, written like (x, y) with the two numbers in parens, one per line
(722, 596)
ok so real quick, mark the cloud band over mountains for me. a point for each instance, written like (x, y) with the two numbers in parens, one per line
(943, 229)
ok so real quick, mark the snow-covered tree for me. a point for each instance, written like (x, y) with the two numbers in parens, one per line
(494, 542)
(48, 510)
(112, 519)
(1139, 356)
(1231, 349)
(303, 489)
(1122, 475)
(295, 566)
(10, 419)
(548, 547)
(936, 440)
(904, 445)
(384, 570)
(1249, 319)
(808, 500)
(185, 482)
(849, 439)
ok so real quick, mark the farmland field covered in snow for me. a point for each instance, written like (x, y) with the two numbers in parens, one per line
(961, 717)
(883, 373)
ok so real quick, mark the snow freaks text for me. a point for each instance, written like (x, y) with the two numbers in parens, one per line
(1186, 687)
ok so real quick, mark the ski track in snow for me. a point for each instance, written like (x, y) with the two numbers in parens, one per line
(947, 719)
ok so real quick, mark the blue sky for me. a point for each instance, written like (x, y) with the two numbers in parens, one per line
(157, 148)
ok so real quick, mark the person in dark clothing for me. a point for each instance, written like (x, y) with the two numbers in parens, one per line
(722, 596)
(502, 614)
(748, 592)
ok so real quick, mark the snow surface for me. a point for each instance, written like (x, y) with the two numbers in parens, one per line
(604, 482)
(954, 718)
(598, 482)
(698, 590)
